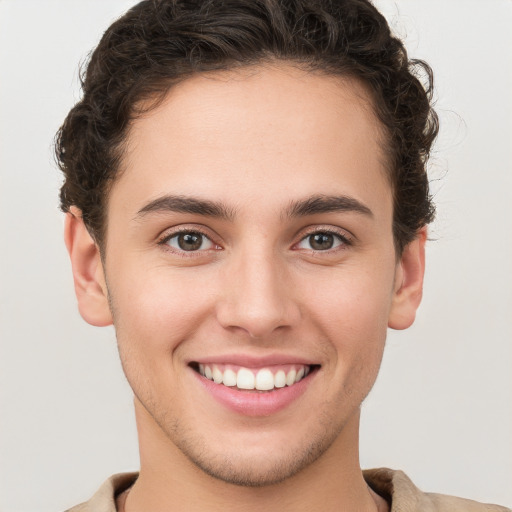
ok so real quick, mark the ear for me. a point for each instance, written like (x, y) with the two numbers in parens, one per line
(88, 275)
(408, 283)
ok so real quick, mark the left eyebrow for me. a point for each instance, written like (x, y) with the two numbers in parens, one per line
(186, 204)
(326, 204)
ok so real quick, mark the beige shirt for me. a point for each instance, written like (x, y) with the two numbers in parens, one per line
(393, 486)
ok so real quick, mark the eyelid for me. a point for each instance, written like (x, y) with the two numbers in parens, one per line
(168, 234)
(345, 236)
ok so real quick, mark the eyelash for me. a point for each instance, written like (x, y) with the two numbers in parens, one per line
(343, 239)
(164, 241)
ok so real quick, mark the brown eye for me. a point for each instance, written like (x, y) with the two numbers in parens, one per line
(322, 241)
(190, 241)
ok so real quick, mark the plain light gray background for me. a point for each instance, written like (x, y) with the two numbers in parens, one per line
(441, 409)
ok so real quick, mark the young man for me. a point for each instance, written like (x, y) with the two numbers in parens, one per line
(247, 203)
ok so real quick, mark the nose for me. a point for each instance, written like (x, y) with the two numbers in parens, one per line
(258, 297)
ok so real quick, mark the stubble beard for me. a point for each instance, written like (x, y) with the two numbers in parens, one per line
(235, 467)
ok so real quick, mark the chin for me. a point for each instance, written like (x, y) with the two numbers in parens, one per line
(268, 461)
(255, 471)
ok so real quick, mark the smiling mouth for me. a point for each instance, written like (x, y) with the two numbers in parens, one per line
(254, 379)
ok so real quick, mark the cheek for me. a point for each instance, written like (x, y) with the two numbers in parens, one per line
(353, 316)
(159, 309)
(355, 304)
(153, 315)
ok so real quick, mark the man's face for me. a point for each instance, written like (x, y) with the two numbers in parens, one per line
(250, 236)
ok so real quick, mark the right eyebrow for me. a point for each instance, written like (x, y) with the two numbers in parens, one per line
(187, 204)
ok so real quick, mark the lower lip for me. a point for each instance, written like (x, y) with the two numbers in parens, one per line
(254, 403)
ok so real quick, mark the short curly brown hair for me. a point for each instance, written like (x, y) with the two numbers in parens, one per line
(158, 43)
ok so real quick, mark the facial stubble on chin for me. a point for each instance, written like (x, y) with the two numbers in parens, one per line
(236, 469)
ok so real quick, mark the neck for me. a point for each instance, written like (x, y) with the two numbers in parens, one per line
(168, 480)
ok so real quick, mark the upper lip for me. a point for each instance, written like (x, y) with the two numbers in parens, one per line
(251, 361)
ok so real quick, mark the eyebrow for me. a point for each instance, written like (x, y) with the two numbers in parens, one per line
(300, 208)
(187, 204)
(326, 204)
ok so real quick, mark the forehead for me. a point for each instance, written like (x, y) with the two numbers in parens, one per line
(245, 135)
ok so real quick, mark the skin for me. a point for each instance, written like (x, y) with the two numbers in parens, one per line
(254, 141)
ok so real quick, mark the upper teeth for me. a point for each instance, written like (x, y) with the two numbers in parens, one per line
(263, 379)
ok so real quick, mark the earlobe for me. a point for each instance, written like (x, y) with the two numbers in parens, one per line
(408, 283)
(88, 276)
